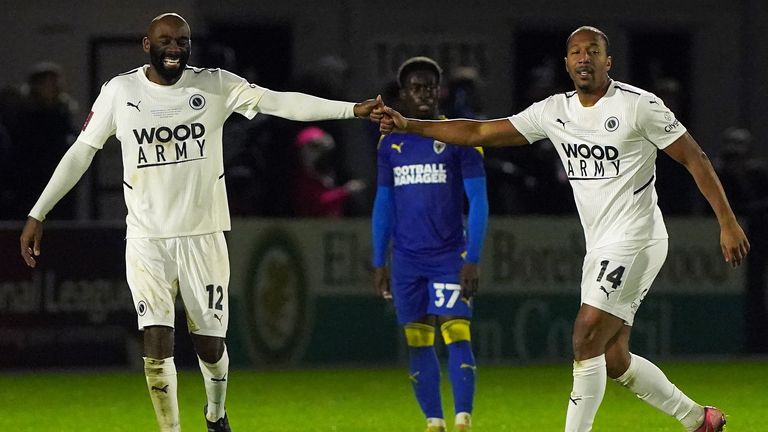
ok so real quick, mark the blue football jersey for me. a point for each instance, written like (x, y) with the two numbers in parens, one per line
(427, 181)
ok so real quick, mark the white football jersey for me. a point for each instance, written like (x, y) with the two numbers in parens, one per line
(608, 152)
(171, 139)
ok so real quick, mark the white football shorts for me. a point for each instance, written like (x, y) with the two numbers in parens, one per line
(195, 266)
(616, 278)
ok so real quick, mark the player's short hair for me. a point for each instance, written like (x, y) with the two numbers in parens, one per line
(593, 30)
(417, 64)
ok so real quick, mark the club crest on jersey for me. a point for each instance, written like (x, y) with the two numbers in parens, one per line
(197, 102)
(611, 124)
(438, 146)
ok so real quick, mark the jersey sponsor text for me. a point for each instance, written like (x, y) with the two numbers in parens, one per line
(589, 161)
(430, 173)
(180, 135)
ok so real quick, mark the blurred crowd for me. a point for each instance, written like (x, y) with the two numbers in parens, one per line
(278, 168)
(36, 129)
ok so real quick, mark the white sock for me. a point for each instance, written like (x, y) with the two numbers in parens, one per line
(463, 418)
(162, 385)
(434, 421)
(215, 377)
(649, 383)
(589, 378)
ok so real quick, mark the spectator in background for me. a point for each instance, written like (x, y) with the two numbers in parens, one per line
(243, 157)
(245, 162)
(329, 77)
(317, 191)
(41, 133)
(10, 102)
(744, 178)
(461, 97)
(531, 179)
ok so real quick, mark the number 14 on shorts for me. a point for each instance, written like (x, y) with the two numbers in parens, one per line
(449, 298)
(614, 277)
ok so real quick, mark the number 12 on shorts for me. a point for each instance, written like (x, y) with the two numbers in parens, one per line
(454, 290)
(213, 291)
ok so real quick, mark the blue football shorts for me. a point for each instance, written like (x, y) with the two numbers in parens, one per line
(428, 287)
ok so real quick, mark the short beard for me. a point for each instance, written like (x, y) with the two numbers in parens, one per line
(156, 59)
(584, 87)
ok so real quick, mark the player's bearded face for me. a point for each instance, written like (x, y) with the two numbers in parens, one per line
(169, 61)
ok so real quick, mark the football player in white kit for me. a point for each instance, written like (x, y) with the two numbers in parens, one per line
(607, 134)
(169, 119)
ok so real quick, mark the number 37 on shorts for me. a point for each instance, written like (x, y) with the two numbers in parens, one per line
(445, 299)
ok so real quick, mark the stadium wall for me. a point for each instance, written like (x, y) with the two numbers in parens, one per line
(301, 295)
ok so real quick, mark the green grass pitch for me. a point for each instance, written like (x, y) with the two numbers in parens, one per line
(509, 398)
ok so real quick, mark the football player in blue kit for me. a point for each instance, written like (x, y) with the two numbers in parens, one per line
(419, 207)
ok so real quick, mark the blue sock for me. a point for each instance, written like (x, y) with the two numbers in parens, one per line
(425, 377)
(461, 368)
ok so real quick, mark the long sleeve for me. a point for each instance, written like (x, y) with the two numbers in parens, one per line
(72, 166)
(477, 221)
(382, 224)
(303, 107)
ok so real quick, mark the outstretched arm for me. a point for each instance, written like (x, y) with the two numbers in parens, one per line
(72, 166)
(733, 241)
(475, 133)
(304, 107)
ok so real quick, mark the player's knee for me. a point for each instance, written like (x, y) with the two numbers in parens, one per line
(209, 348)
(587, 344)
(419, 335)
(580, 342)
(158, 342)
(211, 354)
(455, 330)
(614, 370)
(616, 363)
(587, 334)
